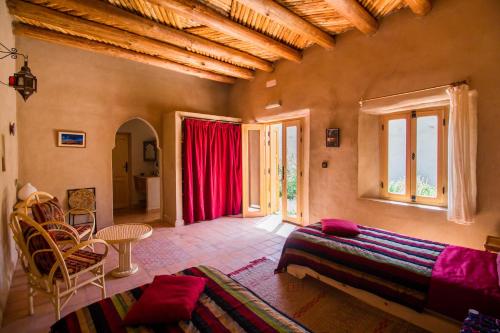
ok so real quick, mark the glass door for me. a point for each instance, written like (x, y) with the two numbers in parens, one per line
(292, 171)
(253, 167)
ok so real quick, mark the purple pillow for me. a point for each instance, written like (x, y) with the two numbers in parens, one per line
(498, 268)
(339, 227)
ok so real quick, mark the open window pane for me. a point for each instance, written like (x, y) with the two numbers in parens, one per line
(427, 156)
(396, 163)
(291, 170)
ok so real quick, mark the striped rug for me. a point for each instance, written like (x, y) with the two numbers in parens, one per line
(319, 307)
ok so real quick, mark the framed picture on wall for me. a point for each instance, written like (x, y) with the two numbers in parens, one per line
(333, 137)
(149, 151)
(71, 139)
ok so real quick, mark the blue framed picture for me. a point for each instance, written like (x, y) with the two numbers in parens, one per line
(71, 139)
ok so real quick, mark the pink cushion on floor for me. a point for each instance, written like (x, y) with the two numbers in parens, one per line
(339, 227)
(168, 299)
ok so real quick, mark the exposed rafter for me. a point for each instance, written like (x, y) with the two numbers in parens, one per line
(419, 7)
(215, 39)
(292, 21)
(197, 11)
(85, 44)
(356, 14)
(108, 14)
(114, 36)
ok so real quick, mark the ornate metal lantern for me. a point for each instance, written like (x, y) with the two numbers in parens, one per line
(23, 81)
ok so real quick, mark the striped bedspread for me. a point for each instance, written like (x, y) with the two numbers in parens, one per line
(224, 306)
(393, 266)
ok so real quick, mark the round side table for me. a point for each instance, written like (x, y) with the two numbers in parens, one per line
(124, 235)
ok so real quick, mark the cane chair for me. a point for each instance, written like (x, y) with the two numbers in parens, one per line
(81, 202)
(57, 272)
(83, 231)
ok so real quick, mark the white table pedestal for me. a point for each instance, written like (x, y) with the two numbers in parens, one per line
(125, 265)
(121, 237)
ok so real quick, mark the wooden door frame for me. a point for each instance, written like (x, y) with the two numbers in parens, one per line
(300, 171)
(304, 116)
(263, 158)
(129, 171)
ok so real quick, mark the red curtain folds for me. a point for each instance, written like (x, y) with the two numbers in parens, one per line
(211, 170)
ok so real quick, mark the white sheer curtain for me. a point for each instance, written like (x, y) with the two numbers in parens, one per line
(414, 100)
(462, 151)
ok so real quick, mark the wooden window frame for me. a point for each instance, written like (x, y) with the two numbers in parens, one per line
(410, 195)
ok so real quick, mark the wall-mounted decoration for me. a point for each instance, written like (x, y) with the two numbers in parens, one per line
(12, 128)
(149, 151)
(333, 137)
(23, 81)
(71, 139)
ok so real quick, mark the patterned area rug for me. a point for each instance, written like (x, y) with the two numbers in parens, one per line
(318, 306)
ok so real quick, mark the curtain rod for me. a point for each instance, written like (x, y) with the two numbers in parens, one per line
(453, 84)
(213, 120)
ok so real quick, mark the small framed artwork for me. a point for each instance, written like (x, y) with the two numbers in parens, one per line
(333, 137)
(149, 151)
(71, 139)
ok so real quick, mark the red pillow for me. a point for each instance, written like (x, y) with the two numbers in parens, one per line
(168, 299)
(338, 227)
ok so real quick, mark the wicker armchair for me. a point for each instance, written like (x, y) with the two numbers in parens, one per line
(81, 232)
(52, 270)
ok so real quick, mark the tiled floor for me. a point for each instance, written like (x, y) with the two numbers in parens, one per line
(226, 243)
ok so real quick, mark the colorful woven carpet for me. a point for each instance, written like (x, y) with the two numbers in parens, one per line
(320, 307)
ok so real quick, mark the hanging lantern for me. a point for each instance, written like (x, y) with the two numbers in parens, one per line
(24, 81)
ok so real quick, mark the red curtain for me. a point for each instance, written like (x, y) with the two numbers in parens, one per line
(211, 170)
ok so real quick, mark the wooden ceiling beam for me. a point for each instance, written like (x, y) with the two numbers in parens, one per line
(356, 14)
(201, 13)
(105, 13)
(419, 7)
(89, 45)
(290, 20)
(91, 30)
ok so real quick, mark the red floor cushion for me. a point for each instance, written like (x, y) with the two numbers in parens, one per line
(168, 299)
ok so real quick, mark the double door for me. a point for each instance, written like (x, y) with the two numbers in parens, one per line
(272, 170)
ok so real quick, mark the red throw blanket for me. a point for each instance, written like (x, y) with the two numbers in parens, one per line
(464, 279)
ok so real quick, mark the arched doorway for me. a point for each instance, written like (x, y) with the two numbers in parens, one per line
(136, 173)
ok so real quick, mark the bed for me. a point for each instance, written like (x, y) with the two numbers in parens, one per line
(224, 306)
(435, 283)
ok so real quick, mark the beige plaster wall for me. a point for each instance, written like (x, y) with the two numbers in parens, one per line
(83, 91)
(9, 149)
(459, 39)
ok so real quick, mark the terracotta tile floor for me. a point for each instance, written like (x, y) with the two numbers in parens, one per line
(226, 243)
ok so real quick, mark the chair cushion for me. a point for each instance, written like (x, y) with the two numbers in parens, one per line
(81, 260)
(168, 299)
(50, 210)
(35, 242)
(338, 227)
(81, 229)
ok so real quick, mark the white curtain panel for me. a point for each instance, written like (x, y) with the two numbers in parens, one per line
(462, 151)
